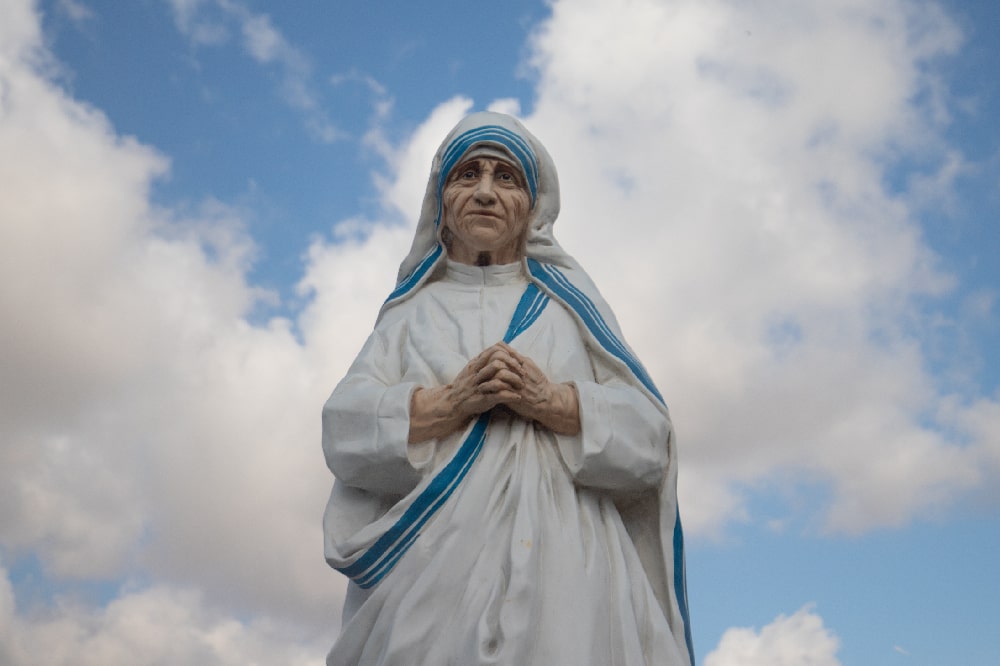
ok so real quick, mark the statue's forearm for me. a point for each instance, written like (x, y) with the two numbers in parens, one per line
(557, 408)
(433, 414)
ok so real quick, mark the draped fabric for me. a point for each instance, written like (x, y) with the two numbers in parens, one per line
(505, 543)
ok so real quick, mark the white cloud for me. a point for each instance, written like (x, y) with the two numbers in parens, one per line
(262, 40)
(159, 625)
(150, 429)
(798, 640)
(146, 424)
(733, 157)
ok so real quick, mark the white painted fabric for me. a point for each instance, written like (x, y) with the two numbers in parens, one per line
(544, 549)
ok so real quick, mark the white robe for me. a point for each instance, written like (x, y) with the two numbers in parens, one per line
(528, 562)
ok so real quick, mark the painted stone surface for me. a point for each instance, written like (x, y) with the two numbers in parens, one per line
(505, 468)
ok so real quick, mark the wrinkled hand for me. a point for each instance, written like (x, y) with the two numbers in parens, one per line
(497, 376)
(486, 381)
(556, 406)
(492, 378)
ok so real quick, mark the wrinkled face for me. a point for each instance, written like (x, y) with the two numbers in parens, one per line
(486, 206)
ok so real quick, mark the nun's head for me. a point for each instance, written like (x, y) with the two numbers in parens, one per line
(485, 207)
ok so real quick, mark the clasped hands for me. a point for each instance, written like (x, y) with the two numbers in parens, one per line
(497, 376)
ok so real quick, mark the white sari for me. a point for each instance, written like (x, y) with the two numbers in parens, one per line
(505, 543)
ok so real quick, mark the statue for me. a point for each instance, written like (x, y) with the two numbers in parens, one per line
(505, 468)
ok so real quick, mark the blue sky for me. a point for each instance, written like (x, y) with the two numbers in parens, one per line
(203, 202)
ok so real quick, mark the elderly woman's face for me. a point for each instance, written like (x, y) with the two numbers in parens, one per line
(486, 206)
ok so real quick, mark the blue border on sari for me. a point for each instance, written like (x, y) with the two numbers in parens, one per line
(379, 559)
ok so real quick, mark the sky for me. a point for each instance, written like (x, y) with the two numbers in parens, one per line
(793, 208)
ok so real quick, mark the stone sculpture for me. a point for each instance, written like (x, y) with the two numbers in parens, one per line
(505, 468)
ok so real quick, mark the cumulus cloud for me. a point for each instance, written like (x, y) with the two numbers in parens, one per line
(159, 625)
(735, 161)
(146, 425)
(797, 640)
(736, 158)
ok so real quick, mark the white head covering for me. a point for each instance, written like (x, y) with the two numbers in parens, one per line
(545, 262)
(507, 135)
(652, 519)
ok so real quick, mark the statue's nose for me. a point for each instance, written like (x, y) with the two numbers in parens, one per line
(484, 192)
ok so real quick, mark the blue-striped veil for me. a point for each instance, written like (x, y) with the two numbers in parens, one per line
(559, 276)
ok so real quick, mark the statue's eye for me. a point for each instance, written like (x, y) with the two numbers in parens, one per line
(509, 178)
(468, 174)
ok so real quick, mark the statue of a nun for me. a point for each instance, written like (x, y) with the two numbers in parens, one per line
(505, 469)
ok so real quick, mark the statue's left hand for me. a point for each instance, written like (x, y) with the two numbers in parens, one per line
(555, 406)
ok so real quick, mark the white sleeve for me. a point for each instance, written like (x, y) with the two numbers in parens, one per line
(624, 440)
(366, 423)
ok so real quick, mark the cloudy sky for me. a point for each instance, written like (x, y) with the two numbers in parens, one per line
(794, 208)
